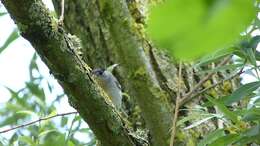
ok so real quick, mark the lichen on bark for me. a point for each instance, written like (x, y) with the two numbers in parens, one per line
(111, 31)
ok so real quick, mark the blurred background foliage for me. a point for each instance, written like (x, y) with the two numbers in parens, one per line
(31, 103)
(34, 102)
(189, 29)
(205, 31)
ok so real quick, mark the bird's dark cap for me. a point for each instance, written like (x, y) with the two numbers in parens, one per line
(98, 71)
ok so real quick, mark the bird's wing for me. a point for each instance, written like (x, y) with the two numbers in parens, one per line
(118, 84)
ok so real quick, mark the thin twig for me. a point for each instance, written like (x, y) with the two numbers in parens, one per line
(176, 111)
(36, 121)
(214, 85)
(69, 132)
(188, 96)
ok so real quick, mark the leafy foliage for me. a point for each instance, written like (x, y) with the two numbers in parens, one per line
(31, 103)
(241, 123)
(188, 28)
(12, 37)
(212, 28)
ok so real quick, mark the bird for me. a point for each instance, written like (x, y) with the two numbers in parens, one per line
(108, 82)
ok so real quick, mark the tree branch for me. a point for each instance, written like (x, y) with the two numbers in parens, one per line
(216, 84)
(187, 97)
(59, 51)
(36, 121)
(176, 111)
(109, 35)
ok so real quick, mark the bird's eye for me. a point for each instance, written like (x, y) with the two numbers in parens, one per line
(100, 73)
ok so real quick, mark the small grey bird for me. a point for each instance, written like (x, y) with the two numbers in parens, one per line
(109, 84)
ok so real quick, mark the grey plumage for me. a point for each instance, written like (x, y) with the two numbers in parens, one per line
(110, 85)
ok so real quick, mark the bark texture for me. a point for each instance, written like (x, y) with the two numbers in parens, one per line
(112, 31)
(58, 50)
(109, 34)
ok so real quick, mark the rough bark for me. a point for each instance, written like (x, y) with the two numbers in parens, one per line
(109, 35)
(57, 49)
(111, 31)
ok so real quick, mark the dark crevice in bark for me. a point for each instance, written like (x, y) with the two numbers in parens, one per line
(185, 76)
(99, 24)
(160, 77)
(122, 46)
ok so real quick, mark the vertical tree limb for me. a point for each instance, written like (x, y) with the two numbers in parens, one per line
(109, 36)
(56, 48)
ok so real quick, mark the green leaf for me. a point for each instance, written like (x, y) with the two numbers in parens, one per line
(54, 139)
(257, 22)
(254, 131)
(15, 96)
(11, 120)
(28, 140)
(64, 121)
(229, 114)
(2, 13)
(257, 55)
(47, 132)
(247, 140)
(77, 118)
(252, 115)
(84, 130)
(13, 138)
(53, 113)
(70, 143)
(13, 36)
(254, 41)
(189, 29)
(223, 68)
(249, 136)
(242, 91)
(198, 122)
(225, 140)
(215, 56)
(250, 53)
(33, 65)
(248, 49)
(185, 119)
(212, 137)
(12, 107)
(36, 90)
(27, 112)
(41, 104)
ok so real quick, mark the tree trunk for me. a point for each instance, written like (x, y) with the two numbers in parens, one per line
(111, 31)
